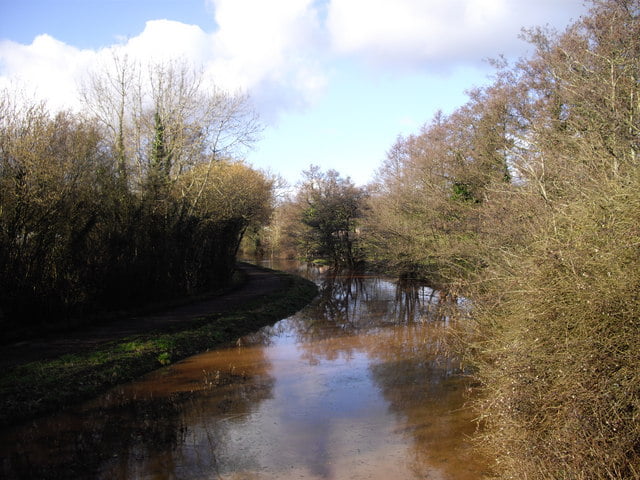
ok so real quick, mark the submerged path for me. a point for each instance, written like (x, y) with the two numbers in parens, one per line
(257, 282)
(357, 385)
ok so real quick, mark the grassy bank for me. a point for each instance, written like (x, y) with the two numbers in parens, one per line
(39, 387)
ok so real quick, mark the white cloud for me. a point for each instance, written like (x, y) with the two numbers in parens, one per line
(164, 40)
(280, 51)
(272, 49)
(441, 32)
(48, 69)
(269, 49)
(255, 36)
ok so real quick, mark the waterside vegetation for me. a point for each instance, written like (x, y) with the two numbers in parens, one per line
(525, 201)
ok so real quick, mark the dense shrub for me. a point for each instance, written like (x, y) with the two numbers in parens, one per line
(78, 235)
(562, 345)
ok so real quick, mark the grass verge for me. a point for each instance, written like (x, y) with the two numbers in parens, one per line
(40, 387)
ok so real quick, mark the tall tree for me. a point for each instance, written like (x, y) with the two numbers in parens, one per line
(200, 123)
(329, 208)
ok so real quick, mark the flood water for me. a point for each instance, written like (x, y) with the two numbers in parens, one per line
(358, 385)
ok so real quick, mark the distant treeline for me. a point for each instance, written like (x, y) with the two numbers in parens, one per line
(525, 200)
(132, 201)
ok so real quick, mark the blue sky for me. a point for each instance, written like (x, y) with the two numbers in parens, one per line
(335, 81)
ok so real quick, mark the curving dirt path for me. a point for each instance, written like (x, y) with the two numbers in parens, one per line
(258, 282)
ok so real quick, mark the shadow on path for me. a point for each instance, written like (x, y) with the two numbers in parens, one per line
(258, 282)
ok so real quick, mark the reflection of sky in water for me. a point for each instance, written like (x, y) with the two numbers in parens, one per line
(319, 413)
(316, 405)
(326, 414)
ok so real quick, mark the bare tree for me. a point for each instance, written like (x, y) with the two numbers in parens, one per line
(201, 123)
(109, 94)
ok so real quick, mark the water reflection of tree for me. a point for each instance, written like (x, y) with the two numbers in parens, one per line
(341, 299)
(235, 386)
(351, 298)
(129, 434)
(351, 302)
(76, 445)
(416, 362)
(406, 330)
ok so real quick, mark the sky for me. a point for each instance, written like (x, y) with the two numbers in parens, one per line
(335, 82)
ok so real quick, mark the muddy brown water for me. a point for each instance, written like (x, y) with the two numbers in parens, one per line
(358, 385)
